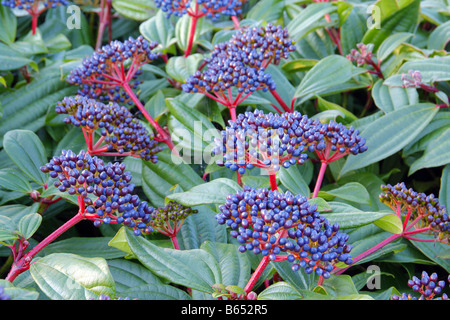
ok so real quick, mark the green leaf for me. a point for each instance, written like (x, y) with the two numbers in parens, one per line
(213, 192)
(350, 217)
(352, 191)
(158, 179)
(352, 30)
(6, 234)
(235, 267)
(192, 132)
(27, 106)
(444, 191)
(388, 99)
(437, 152)
(13, 60)
(201, 227)
(435, 251)
(390, 223)
(259, 12)
(339, 285)
(293, 180)
(128, 274)
(13, 180)
(432, 70)
(8, 25)
(27, 151)
(433, 130)
(85, 247)
(182, 30)
(439, 38)
(324, 105)
(301, 281)
(299, 65)
(280, 291)
(158, 28)
(156, 292)
(196, 269)
(390, 133)
(309, 19)
(395, 16)
(119, 241)
(391, 43)
(180, 68)
(330, 72)
(29, 224)
(322, 205)
(15, 293)
(134, 9)
(63, 276)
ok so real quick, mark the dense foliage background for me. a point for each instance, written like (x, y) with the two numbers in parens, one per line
(406, 129)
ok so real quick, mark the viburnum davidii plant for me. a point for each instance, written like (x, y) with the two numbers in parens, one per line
(224, 150)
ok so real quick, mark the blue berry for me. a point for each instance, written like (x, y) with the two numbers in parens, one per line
(422, 206)
(319, 244)
(97, 76)
(120, 130)
(213, 9)
(3, 295)
(265, 140)
(110, 183)
(427, 286)
(26, 4)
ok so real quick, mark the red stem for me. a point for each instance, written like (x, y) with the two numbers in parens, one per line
(24, 263)
(371, 250)
(174, 240)
(235, 21)
(233, 113)
(280, 101)
(255, 276)
(273, 181)
(323, 168)
(34, 23)
(164, 136)
(194, 18)
(102, 24)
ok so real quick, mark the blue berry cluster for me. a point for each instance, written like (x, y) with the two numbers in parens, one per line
(104, 187)
(342, 139)
(213, 9)
(425, 207)
(268, 140)
(3, 295)
(175, 7)
(121, 131)
(241, 62)
(28, 4)
(224, 74)
(428, 286)
(101, 75)
(270, 222)
(256, 46)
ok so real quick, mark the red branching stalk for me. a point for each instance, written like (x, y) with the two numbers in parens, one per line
(195, 15)
(406, 233)
(104, 20)
(22, 261)
(280, 101)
